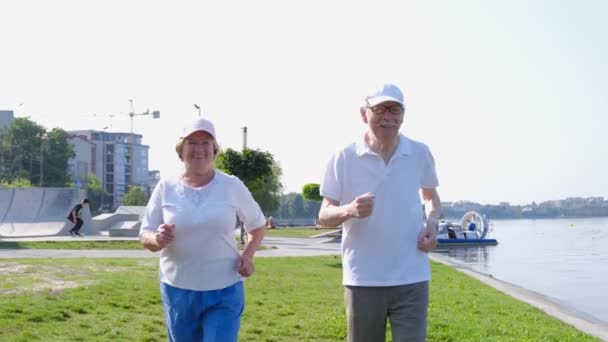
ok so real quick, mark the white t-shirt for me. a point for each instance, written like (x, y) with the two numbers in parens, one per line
(204, 253)
(381, 250)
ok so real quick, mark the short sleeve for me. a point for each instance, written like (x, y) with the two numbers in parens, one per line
(153, 215)
(248, 210)
(429, 175)
(331, 187)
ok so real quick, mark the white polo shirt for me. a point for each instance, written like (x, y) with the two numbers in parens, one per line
(381, 250)
(203, 254)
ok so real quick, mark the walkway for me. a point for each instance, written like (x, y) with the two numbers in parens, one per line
(284, 247)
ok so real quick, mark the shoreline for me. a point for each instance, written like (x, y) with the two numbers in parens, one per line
(581, 321)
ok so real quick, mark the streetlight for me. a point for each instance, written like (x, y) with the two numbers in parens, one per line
(155, 115)
(199, 109)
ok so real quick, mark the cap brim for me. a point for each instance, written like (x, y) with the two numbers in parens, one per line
(374, 101)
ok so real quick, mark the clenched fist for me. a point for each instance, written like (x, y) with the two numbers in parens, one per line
(362, 206)
(164, 234)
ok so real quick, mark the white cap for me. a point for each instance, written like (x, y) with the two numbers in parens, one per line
(387, 92)
(199, 124)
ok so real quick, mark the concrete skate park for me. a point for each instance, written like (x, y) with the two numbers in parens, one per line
(42, 212)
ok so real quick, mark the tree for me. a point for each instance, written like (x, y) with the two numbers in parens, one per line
(135, 196)
(94, 192)
(57, 152)
(21, 150)
(28, 151)
(311, 192)
(258, 170)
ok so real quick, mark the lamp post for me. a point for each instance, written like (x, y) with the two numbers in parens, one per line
(198, 108)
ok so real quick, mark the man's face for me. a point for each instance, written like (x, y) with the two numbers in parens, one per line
(384, 119)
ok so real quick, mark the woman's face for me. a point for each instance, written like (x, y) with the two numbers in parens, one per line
(197, 152)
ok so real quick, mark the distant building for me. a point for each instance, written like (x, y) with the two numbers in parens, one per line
(111, 159)
(6, 117)
(81, 164)
(153, 179)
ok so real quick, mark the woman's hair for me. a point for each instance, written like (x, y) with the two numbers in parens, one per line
(179, 148)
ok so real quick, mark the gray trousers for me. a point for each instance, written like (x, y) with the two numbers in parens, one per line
(367, 309)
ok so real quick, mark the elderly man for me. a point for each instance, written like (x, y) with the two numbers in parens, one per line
(372, 188)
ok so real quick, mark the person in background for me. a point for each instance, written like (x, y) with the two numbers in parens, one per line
(190, 220)
(372, 188)
(75, 217)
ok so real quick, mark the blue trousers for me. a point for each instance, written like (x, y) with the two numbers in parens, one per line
(207, 316)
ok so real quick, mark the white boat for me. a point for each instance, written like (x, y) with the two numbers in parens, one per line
(472, 230)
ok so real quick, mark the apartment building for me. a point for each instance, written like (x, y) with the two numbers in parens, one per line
(116, 162)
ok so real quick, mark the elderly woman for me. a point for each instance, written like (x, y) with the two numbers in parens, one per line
(191, 219)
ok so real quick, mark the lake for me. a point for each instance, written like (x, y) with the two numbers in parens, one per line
(563, 259)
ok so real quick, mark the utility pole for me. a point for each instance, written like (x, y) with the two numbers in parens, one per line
(42, 139)
(244, 137)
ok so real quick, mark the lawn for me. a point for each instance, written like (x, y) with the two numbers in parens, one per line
(82, 244)
(288, 299)
(77, 244)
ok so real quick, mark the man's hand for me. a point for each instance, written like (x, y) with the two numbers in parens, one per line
(245, 266)
(427, 239)
(164, 234)
(362, 206)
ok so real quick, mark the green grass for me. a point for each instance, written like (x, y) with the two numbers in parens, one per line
(288, 299)
(297, 232)
(81, 244)
(78, 244)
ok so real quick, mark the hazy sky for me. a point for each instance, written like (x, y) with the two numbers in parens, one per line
(511, 96)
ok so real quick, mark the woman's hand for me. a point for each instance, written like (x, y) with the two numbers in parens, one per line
(164, 235)
(245, 266)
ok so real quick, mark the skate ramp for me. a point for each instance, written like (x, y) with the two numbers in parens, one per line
(6, 198)
(40, 211)
(131, 209)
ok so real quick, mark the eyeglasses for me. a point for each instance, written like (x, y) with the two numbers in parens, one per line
(395, 109)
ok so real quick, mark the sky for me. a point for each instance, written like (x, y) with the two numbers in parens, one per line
(510, 96)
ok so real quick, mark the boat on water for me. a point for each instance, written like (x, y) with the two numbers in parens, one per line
(472, 230)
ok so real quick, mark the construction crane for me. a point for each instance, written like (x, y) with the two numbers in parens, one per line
(155, 115)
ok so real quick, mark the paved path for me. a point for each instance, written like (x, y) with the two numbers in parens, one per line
(284, 247)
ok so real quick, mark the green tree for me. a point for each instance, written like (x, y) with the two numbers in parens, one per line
(311, 192)
(94, 192)
(258, 170)
(57, 152)
(135, 196)
(28, 151)
(21, 150)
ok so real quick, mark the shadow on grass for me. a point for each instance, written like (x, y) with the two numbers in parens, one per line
(335, 265)
(11, 245)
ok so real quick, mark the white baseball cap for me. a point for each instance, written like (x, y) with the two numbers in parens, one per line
(386, 92)
(199, 124)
